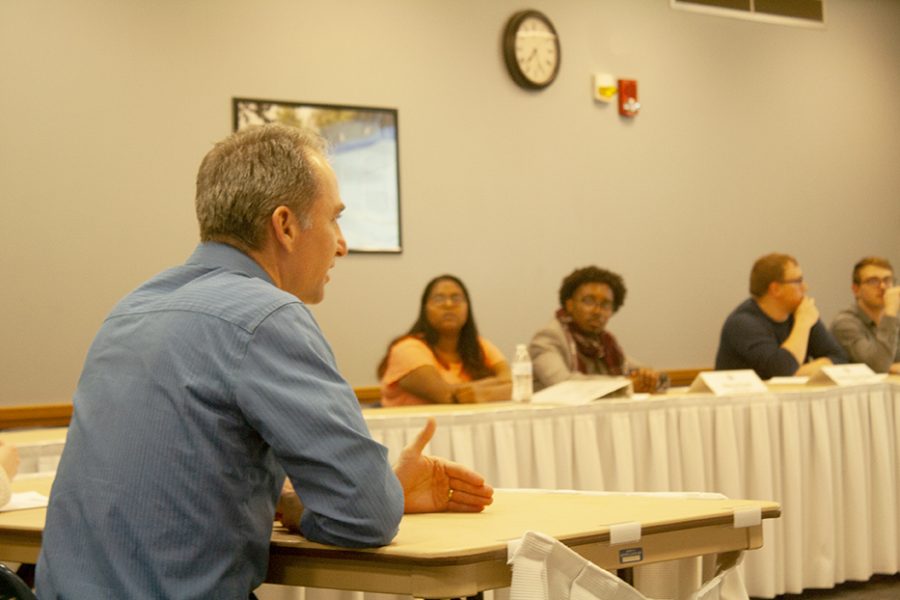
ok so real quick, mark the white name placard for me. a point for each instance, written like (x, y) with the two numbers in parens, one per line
(582, 391)
(727, 383)
(851, 374)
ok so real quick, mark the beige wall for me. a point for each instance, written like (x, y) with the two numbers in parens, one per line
(753, 138)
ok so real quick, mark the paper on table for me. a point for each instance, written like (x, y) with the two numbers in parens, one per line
(23, 500)
(728, 382)
(851, 374)
(582, 391)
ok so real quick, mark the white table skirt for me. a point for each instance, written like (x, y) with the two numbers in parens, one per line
(830, 456)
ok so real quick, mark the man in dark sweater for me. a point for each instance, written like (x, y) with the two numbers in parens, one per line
(777, 332)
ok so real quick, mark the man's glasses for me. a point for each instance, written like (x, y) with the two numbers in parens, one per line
(441, 299)
(876, 281)
(797, 280)
(594, 302)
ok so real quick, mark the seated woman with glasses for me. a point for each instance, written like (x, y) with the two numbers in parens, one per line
(442, 359)
(576, 344)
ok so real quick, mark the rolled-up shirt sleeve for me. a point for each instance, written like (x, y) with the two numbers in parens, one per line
(293, 396)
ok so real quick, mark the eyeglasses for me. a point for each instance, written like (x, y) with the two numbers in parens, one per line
(594, 302)
(876, 281)
(797, 280)
(440, 299)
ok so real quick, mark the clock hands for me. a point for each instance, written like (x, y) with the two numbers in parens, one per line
(531, 49)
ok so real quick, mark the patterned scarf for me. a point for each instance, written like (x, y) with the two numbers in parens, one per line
(598, 347)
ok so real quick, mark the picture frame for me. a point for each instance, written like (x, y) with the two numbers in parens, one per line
(364, 151)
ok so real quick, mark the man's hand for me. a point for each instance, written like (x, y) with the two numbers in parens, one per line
(9, 459)
(644, 380)
(813, 367)
(892, 301)
(434, 485)
(806, 314)
(289, 508)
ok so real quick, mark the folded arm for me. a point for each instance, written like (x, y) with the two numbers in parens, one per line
(430, 484)
(426, 383)
(294, 398)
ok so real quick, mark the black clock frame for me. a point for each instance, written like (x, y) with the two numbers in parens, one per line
(509, 49)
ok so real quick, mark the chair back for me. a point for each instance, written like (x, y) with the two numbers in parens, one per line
(12, 587)
(544, 568)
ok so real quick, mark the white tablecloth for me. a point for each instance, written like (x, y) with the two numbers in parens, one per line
(830, 456)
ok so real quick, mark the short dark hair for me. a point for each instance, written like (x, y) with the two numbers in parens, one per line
(767, 269)
(870, 261)
(592, 274)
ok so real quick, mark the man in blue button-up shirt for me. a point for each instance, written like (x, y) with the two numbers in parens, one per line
(211, 381)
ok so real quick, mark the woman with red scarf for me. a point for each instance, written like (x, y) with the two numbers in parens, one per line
(576, 344)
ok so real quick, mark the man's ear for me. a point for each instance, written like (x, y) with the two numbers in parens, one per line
(285, 227)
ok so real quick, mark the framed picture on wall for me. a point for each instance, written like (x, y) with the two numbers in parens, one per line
(363, 149)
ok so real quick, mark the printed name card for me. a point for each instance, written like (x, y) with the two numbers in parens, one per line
(852, 374)
(727, 383)
(583, 391)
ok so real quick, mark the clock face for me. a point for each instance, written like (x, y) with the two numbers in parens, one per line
(531, 49)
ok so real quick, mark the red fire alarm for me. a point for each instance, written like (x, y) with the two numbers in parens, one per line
(628, 98)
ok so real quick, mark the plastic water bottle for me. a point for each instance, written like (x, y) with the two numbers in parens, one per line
(521, 375)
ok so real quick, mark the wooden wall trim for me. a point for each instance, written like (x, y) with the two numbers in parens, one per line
(35, 415)
(368, 394)
(59, 415)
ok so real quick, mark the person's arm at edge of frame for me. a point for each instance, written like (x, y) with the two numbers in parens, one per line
(426, 483)
(9, 465)
(891, 314)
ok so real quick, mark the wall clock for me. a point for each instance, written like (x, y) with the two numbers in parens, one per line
(531, 49)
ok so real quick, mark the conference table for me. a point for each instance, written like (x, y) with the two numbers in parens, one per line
(829, 455)
(441, 555)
